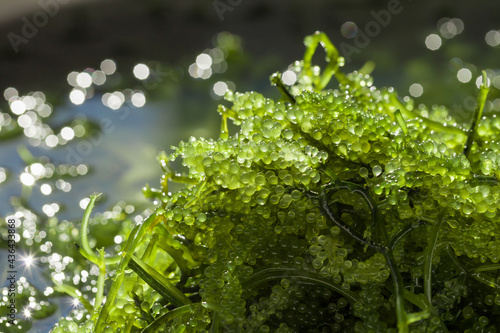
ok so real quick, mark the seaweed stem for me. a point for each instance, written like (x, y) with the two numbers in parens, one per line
(276, 81)
(429, 254)
(332, 57)
(478, 113)
(100, 284)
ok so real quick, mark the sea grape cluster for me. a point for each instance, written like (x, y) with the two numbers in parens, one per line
(329, 210)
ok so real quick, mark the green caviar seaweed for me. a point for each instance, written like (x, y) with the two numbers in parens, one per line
(329, 210)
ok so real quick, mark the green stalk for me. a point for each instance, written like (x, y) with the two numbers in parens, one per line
(401, 315)
(216, 323)
(421, 301)
(429, 254)
(158, 282)
(403, 232)
(170, 173)
(476, 272)
(26, 155)
(276, 81)
(183, 179)
(83, 229)
(278, 273)
(73, 292)
(328, 213)
(403, 318)
(230, 114)
(133, 240)
(100, 285)
(169, 316)
(332, 58)
(401, 121)
(487, 280)
(485, 268)
(199, 189)
(478, 113)
(85, 249)
(367, 68)
(224, 131)
(110, 300)
(455, 260)
(149, 249)
(177, 255)
(181, 255)
(426, 121)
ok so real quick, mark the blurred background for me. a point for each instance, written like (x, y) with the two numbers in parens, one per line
(91, 91)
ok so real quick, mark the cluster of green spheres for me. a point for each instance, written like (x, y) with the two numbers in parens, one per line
(250, 210)
(330, 210)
